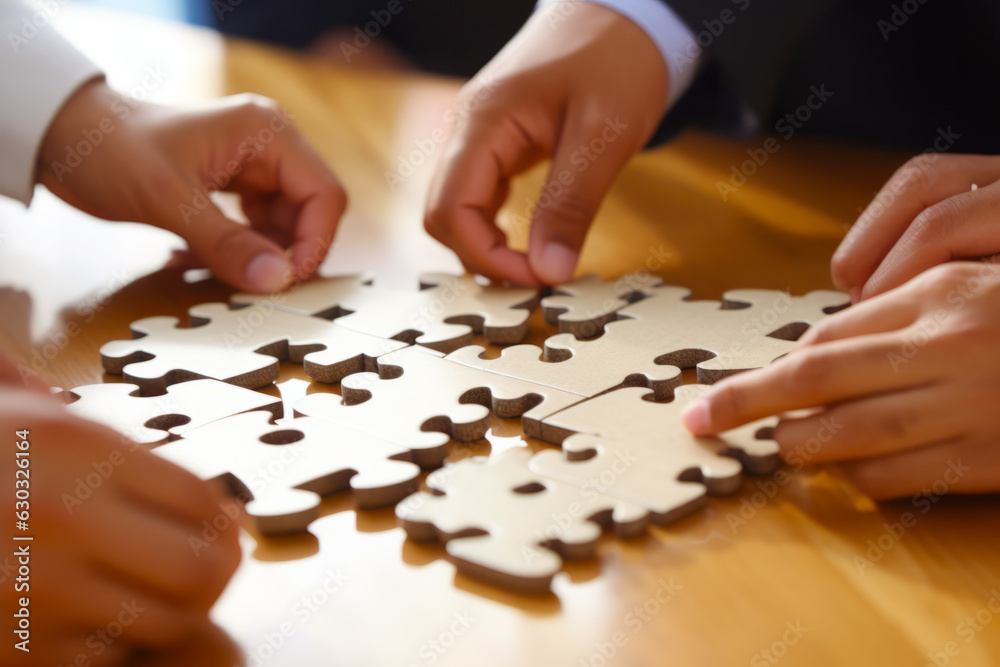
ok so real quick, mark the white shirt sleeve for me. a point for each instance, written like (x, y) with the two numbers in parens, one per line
(39, 71)
(676, 42)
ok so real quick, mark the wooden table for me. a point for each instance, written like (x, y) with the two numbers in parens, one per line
(704, 591)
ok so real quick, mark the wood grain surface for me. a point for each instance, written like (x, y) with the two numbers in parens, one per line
(796, 570)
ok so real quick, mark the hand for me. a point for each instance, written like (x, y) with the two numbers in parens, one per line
(925, 215)
(154, 164)
(579, 83)
(121, 557)
(907, 382)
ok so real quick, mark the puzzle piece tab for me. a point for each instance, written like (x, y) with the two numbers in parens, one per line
(750, 329)
(151, 420)
(649, 341)
(504, 524)
(242, 347)
(587, 369)
(286, 469)
(585, 305)
(639, 451)
(419, 400)
(442, 315)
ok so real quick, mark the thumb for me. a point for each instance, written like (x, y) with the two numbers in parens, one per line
(585, 164)
(235, 253)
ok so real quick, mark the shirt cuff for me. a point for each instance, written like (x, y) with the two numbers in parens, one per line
(39, 72)
(672, 37)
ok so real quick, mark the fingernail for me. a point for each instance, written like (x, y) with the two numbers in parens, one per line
(695, 417)
(268, 272)
(558, 263)
(855, 294)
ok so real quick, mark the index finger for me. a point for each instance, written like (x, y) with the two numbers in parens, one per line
(466, 195)
(814, 376)
(290, 167)
(917, 185)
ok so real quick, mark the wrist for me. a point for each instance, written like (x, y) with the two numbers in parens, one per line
(77, 130)
(674, 41)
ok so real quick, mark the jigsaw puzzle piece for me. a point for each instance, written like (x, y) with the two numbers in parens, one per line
(586, 369)
(285, 469)
(504, 524)
(780, 315)
(584, 306)
(499, 313)
(420, 400)
(241, 347)
(639, 451)
(719, 339)
(151, 420)
(442, 315)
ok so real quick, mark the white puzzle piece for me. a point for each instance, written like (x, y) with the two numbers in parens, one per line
(578, 367)
(442, 315)
(419, 400)
(242, 347)
(504, 524)
(653, 339)
(750, 329)
(150, 420)
(285, 469)
(638, 450)
(584, 306)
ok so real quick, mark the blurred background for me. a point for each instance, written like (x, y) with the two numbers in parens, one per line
(450, 37)
(198, 12)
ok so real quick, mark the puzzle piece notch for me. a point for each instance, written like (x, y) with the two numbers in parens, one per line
(798, 313)
(652, 339)
(717, 338)
(241, 347)
(504, 524)
(584, 306)
(151, 420)
(442, 315)
(639, 451)
(284, 470)
(583, 369)
(431, 400)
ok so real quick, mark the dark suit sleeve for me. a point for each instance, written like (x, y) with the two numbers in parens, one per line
(748, 44)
